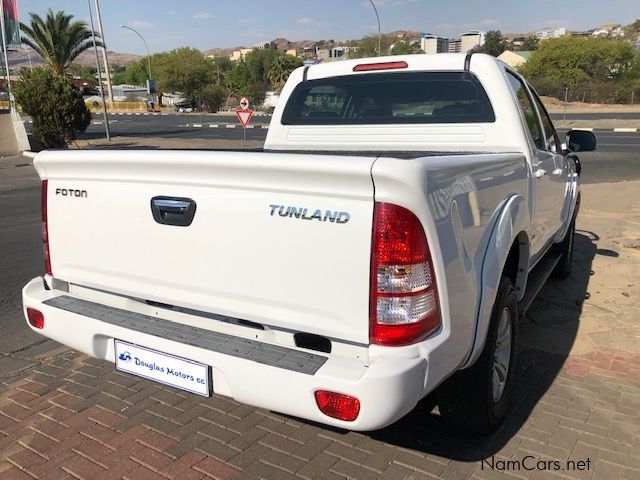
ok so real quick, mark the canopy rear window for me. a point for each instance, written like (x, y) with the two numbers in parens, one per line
(389, 98)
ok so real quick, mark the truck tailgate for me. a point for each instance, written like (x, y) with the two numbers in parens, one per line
(241, 256)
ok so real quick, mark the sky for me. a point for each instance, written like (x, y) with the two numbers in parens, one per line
(206, 24)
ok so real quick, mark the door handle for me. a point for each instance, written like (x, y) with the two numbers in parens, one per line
(174, 211)
(557, 171)
(540, 173)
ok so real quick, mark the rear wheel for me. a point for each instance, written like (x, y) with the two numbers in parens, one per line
(476, 399)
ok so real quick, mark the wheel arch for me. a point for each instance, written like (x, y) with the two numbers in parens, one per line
(507, 253)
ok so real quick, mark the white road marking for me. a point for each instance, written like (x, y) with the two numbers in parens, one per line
(625, 130)
(213, 125)
(197, 125)
(230, 126)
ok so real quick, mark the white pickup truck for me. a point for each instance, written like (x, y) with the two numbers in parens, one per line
(402, 216)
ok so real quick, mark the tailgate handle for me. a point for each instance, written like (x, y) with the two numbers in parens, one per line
(173, 210)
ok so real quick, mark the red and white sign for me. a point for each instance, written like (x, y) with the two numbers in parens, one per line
(244, 103)
(244, 116)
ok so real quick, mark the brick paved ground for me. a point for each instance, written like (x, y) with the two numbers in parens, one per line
(577, 398)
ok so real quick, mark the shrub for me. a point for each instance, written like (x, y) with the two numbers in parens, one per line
(55, 105)
(213, 96)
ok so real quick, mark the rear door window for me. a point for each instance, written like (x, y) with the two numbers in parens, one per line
(527, 109)
(389, 98)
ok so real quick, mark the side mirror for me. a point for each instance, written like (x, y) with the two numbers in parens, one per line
(581, 141)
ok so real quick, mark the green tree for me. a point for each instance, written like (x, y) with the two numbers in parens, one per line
(494, 43)
(368, 47)
(136, 73)
(405, 48)
(530, 43)
(82, 71)
(212, 96)
(632, 30)
(280, 70)
(259, 62)
(183, 70)
(55, 105)
(56, 39)
(575, 61)
(221, 68)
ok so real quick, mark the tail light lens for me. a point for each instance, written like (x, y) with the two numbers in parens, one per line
(36, 318)
(338, 405)
(404, 296)
(45, 227)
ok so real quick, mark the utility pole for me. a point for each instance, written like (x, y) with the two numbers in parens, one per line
(148, 53)
(3, 33)
(107, 72)
(95, 49)
(566, 98)
(377, 18)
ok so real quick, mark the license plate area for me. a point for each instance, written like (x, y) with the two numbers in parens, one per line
(163, 367)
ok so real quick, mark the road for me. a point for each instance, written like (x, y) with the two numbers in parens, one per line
(617, 157)
(596, 116)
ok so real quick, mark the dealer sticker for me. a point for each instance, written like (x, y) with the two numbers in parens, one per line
(163, 367)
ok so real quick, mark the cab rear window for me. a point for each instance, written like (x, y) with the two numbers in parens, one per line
(389, 98)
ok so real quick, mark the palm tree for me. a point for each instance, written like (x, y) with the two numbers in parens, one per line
(57, 39)
(280, 70)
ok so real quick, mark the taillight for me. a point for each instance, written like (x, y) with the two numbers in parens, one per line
(36, 318)
(45, 227)
(338, 405)
(367, 67)
(404, 297)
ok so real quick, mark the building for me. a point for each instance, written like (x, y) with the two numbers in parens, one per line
(331, 54)
(433, 44)
(471, 39)
(455, 46)
(238, 55)
(292, 51)
(514, 58)
(551, 33)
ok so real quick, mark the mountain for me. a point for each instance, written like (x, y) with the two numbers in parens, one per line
(26, 57)
(88, 57)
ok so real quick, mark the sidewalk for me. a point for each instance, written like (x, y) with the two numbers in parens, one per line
(577, 399)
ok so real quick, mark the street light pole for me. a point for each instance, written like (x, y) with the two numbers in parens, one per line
(95, 49)
(146, 46)
(107, 73)
(377, 18)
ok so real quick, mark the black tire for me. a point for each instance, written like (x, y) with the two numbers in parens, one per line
(565, 247)
(467, 400)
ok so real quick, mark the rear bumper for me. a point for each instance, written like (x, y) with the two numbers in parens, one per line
(388, 388)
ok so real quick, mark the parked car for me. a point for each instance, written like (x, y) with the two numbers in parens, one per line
(403, 215)
(186, 107)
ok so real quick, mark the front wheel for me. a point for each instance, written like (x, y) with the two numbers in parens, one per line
(476, 399)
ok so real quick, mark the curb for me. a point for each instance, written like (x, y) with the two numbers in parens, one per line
(266, 127)
(22, 139)
(223, 125)
(592, 129)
